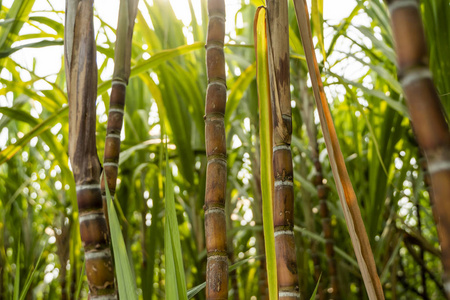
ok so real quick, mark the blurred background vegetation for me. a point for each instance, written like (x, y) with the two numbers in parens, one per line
(40, 248)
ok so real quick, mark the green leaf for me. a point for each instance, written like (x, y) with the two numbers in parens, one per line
(155, 60)
(11, 150)
(265, 123)
(17, 277)
(80, 282)
(175, 278)
(317, 21)
(40, 44)
(125, 276)
(30, 277)
(313, 296)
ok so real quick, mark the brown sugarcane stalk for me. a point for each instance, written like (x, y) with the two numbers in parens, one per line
(427, 115)
(216, 152)
(278, 44)
(122, 58)
(81, 73)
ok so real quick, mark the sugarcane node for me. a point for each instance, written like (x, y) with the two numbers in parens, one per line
(284, 176)
(217, 255)
(215, 116)
(438, 156)
(218, 46)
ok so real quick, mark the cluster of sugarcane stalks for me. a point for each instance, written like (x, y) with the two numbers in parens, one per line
(216, 153)
(81, 74)
(428, 119)
(427, 115)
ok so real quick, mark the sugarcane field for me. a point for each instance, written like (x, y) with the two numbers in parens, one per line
(224, 149)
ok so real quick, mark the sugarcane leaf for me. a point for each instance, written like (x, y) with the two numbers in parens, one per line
(11, 150)
(125, 276)
(155, 60)
(322, 240)
(30, 277)
(265, 123)
(40, 44)
(317, 21)
(19, 13)
(80, 282)
(397, 105)
(176, 281)
(344, 186)
(17, 277)
(55, 25)
(313, 296)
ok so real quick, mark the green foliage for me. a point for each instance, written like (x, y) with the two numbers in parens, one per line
(125, 277)
(176, 281)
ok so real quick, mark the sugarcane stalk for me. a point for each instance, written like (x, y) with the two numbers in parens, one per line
(278, 46)
(216, 172)
(81, 73)
(121, 74)
(427, 115)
